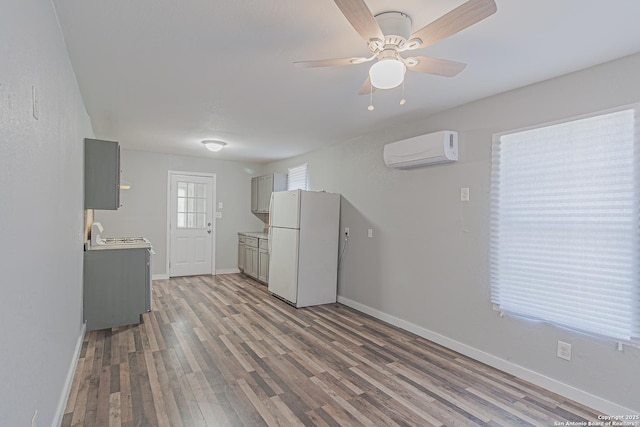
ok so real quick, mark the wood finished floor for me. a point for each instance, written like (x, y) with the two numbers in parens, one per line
(220, 351)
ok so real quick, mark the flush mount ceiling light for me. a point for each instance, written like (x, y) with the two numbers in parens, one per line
(213, 145)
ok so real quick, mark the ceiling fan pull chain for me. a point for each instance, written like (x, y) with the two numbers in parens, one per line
(402, 100)
(370, 107)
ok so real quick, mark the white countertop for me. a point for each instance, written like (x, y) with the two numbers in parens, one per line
(256, 234)
(138, 244)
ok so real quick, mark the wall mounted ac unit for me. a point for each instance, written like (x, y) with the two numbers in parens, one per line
(438, 147)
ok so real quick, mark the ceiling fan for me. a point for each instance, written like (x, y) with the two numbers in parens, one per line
(389, 33)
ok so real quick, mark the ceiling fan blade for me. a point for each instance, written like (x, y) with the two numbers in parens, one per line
(366, 87)
(332, 62)
(439, 67)
(458, 19)
(361, 18)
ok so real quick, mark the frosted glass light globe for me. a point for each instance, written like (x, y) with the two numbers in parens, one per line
(387, 73)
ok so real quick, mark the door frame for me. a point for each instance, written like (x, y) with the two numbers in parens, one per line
(170, 175)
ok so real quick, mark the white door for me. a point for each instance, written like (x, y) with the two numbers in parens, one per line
(192, 226)
(285, 209)
(283, 263)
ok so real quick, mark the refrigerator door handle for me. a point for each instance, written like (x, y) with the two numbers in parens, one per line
(270, 226)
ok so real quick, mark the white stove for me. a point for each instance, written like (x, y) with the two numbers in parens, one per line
(98, 242)
(138, 241)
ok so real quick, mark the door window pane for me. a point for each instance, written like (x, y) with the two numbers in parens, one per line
(182, 189)
(192, 205)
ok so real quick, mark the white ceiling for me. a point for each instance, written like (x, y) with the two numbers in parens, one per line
(162, 75)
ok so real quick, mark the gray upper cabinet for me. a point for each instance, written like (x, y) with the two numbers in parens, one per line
(101, 174)
(254, 194)
(261, 189)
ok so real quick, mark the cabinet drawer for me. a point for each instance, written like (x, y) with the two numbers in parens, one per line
(264, 244)
(241, 238)
(251, 241)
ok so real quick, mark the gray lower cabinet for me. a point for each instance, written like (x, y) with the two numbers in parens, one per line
(263, 261)
(241, 246)
(116, 287)
(253, 257)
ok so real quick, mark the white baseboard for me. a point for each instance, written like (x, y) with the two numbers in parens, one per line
(227, 271)
(580, 396)
(62, 402)
(165, 276)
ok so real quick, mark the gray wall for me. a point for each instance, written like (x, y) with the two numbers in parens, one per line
(144, 210)
(41, 214)
(427, 263)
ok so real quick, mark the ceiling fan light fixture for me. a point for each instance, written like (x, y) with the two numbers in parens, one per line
(387, 73)
(213, 145)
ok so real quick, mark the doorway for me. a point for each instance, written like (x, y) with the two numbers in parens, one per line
(191, 224)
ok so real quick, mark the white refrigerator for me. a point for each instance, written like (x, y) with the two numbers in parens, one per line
(304, 229)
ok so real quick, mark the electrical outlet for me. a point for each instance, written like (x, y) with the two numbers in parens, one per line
(346, 231)
(564, 350)
(370, 233)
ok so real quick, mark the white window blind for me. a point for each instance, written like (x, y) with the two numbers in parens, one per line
(297, 177)
(564, 244)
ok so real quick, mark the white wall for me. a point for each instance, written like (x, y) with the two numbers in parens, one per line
(144, 210)
(41, 215)
(426, 266)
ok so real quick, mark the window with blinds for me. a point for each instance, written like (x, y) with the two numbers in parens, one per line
(297, 178)
(564, 224)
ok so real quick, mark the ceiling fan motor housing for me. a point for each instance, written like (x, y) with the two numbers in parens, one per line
(396, 27)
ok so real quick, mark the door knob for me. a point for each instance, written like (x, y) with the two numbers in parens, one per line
(209, 231)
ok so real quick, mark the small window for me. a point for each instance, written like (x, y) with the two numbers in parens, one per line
(564, 244)
(192, 210)
(298, 178)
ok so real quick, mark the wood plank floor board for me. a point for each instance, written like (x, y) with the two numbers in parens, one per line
(162, 391)
(126, 412)
(221, 351)
(396, 412)
(444, 393)
(104, 392)
(374, 414)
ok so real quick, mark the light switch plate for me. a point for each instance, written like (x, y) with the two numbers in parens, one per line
(464, 194)
(220, 205)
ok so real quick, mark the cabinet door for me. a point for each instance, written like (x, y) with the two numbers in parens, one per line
(254, 263)
(251, 261)
(115, 287)
(263, 265)
(265, 187)
(254, 194)
(241, 256)
(101, 174)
